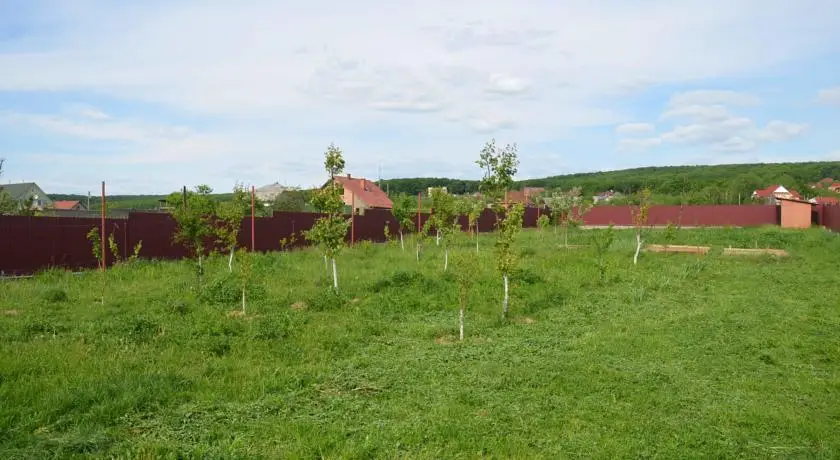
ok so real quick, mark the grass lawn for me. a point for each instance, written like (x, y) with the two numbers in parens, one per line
(682, 356)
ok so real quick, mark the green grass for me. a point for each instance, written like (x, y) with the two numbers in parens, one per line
(681, 356)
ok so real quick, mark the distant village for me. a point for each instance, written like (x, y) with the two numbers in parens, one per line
(361, 193)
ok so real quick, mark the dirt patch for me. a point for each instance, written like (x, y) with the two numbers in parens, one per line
(11, 312)
(236, 314)
(446, 340)
(299, 306)
(355, 300)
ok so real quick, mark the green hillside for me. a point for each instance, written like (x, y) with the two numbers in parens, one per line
(706, 184)
(718, 184)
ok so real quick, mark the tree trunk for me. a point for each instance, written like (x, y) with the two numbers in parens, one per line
(230, 261)
(638, 248)
(437, 238)
(445, 259)
(505, 304)
(335, 275)
(402, 241)
(243, 300)
(418, 252)
(461, 322)
(326, 265)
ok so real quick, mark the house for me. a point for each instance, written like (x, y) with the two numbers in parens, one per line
(269, 192)
(605, 196)
(69, 205)
(23, 192)
(825, 200)
(775, 192)
(524, 196)
(796, 213)
(827, 184)
(429, 190)
(362, 193)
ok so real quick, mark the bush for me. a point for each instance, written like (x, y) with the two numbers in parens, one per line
(227, 290)
(326, 300)
(55, 295)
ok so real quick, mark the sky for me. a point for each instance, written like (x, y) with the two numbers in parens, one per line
(153, 95)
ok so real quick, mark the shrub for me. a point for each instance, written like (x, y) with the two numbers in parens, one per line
(55, 295)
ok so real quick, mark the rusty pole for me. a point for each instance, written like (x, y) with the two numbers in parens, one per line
(419, 204)
(103, 227)
(253, 233)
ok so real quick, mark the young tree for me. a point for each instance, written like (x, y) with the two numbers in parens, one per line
(472, 207)
(330, 230)
(194, 212)
(230, 216)
(640, 216)
(563, 205)
(444, 220)
(402, 212)
(7, 205)
(465, 267)
(499, 166)
(506, 258)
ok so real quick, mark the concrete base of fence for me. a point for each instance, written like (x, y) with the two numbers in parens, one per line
(754, 252)
(678, 248)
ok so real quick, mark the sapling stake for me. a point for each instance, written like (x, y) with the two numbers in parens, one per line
(335, 275)
(505, 303)
(230, 261)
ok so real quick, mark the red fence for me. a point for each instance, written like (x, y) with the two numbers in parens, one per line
(28, 244)
(831, 217)
(687, 216)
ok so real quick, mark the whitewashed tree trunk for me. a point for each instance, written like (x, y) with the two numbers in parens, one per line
(230, 261)
(402, 241)
(638, 248)
(418, 252)
(505, 304)
(326, 264)
(476, 238)
(437, 238)
(335, 275)
(199, 262)
(461, 323)
(243, 300)
(445, 259)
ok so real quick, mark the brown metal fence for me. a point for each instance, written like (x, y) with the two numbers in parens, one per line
(28, 244)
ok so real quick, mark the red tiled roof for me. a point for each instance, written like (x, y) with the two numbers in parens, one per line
(826, 200)
(65, 204)
(771, 190)
(367, 191)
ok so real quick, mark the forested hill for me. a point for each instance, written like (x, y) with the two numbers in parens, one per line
(717, 180)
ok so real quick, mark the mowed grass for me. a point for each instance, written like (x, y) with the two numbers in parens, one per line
(682, 356)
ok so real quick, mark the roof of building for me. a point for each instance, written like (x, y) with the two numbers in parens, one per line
(18, 191)
(770, 192)
(63, 204)
(272, 188)
(825, 200)
(367, 191)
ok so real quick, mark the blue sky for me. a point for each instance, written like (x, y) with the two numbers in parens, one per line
(153, 95)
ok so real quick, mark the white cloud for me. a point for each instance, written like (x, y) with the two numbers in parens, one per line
(639, 143)
(714, 125)
(504, 84)
(337, 71)
(780, 131)
(829, 96)
(631, 129)
(713, 97)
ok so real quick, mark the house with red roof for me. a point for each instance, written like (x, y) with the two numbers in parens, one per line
(362, 193)
(525, 196)
(68, 205)
(828, 184)
(775, 192)
(825, 200)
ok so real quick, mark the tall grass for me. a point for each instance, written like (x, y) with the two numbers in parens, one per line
(698, 356)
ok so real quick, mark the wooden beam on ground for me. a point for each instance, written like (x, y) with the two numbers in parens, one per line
(754, 252)
(677, 248)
